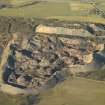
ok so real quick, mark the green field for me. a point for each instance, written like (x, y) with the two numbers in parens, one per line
(73, 11)
(77, 91)
(38, 10)
(44, 9)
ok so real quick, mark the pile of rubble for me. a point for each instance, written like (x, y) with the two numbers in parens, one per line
(34, 61)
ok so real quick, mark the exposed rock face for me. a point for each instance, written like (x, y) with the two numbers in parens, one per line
(33, 61)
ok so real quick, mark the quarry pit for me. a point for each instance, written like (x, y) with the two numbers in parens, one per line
(39, 60)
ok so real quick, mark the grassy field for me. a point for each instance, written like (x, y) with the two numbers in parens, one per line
(65, 11)
(38, 10)
(91, 18)
(77, 91)
(44, 9)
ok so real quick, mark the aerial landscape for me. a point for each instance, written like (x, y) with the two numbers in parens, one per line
(52, 52)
